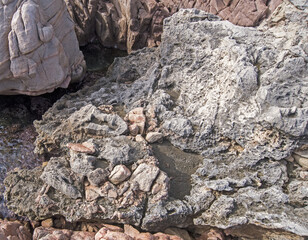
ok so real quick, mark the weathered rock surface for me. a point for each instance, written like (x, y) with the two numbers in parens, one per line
(61, 188)
(42, 233)
(131, 25)
(119, 174)
(235, 96)
(39, 50)
(129, 233)
(13, 230)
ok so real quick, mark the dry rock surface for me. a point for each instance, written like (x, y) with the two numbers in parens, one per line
(235, 97)
(13, 230)
(38, 47)
(134, 24)
(48, 233)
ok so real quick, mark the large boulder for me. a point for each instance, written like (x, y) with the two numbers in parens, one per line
(39, 50)
(232, 104)
(134, 24)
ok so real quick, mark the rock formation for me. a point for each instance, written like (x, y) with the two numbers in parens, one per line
(231, 105)
(39, 49)
(134, 24)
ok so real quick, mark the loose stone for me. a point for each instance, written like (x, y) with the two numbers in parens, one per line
(153, 137)
(119, 174)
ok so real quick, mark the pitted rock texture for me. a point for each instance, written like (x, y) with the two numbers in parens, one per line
(39, 50)
(235, 96)
(62, 187)
(131, 25)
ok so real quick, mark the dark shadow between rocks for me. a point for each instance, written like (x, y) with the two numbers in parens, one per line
(179, 166)
(98, 58)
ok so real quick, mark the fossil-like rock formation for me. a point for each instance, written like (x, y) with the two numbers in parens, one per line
(134, 24)
(38, 47)
(231, 104)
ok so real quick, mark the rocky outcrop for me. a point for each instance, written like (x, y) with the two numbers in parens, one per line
(39, 49)
(232, 103)
(131, 25)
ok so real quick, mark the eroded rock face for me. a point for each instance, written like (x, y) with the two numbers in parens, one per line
(134, 24)
(39, 50)
(234, 96)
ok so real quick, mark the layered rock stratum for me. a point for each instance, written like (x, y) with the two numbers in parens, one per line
(231, 106)
(134, 24)
(39, 50)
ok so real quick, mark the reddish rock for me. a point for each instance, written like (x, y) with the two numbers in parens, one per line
(61, 234)
(78, 235)
(82, 148)
(136, 119)
(182, 233)
(212, 234)
(110, 232)
(145, 236)
(131, 231)
(47, 223)
(163, 236)
(113, 228)
(107, 234)
(13, 231)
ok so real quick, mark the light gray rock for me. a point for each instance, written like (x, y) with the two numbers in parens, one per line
(39, 50)
(58, 175)
(301, 4)
(160, 215)
(179, 126)
(82, 163)
(144, 175)
(153, 137)
(119, 174)
(90, 121)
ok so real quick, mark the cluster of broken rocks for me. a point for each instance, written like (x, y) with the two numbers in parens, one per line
(124, 183)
